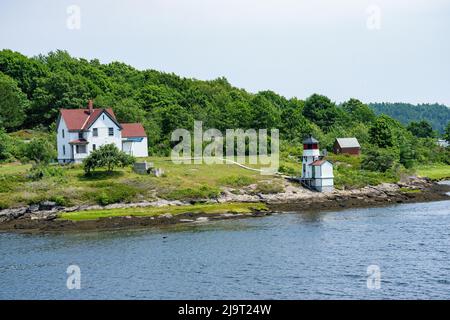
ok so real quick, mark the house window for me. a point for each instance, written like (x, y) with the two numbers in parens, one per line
(94, 147)
(80, 135)
(63, 135)
(110, 131)
(103, 117)
(64, 147)
(95, 132)
(81, 148)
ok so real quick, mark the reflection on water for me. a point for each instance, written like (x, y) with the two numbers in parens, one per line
(301, 255)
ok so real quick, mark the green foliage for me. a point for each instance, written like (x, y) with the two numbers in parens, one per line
(378, 159)
(358, 111)
(237, 181)
(349, 178)
(114, 193)
(447, 132)
(40, 171)
(268, 187)
(380, 133)
(107, 156)
(5, 146)
(421, 129)
(320, 110)
(13, 103)
(436, 114)
(33, 89)
(40, 150)
(202, 192)
(407, 156)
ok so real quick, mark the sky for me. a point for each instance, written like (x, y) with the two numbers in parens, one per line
(379, 50)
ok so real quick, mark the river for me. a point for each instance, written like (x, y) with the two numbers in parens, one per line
(284, 256)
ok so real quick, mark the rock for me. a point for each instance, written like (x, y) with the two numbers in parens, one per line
(11, 214)
(47, 205)
(51, 216)
(33, 208)
(202, 219)
(186, 220)
(166, 215)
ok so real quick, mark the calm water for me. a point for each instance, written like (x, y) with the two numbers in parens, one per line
(285, 256)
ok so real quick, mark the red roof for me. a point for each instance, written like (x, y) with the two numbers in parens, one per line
(318, 162)
(132, 130)
(80, 119)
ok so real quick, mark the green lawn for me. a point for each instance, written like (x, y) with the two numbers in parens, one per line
(174, 210)
(14, 168)
(180, 182)
(435, 171)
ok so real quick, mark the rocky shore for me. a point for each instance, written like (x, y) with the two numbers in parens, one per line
(44, 217)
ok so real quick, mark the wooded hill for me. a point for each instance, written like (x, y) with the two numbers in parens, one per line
(33, 89)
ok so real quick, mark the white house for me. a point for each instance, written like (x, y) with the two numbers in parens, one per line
(80, 131)
(317, 173)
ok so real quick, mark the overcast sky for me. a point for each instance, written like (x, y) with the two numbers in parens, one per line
(380, 50)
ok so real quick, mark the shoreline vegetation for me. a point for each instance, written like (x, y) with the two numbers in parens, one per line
(37, 193)
(244, 199)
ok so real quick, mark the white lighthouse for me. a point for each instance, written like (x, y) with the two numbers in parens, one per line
(317, 173)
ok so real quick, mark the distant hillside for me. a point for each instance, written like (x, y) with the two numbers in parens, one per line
(437, 114)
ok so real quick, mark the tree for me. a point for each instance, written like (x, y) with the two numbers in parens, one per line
(380, 133)
(107, 156)
(40, 150)
(447, 132)
(320, 110)
(421, 129)
(265, 114)
(358, 111)
(13, 103)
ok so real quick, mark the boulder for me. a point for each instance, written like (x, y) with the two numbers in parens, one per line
(47, 205)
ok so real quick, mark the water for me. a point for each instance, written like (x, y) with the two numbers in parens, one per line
(286, 256)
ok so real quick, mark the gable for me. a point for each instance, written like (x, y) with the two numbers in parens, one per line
(81, 119)
(97, 116)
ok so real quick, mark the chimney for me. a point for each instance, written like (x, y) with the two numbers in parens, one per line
(90, 106)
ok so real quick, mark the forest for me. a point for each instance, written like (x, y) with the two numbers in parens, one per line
(33, 89)
(437, 115)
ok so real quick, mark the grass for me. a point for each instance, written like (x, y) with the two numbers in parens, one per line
(435, 171)
(181, 182)
(174, 210)
(189, 182)
(14, 168)
(406, 190)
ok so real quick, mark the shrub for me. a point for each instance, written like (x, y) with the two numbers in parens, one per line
(113, 193)
(39, 171)
(379, 160)
(40, 150)
(60, 200)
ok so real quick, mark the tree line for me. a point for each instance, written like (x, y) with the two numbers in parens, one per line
(33, 89)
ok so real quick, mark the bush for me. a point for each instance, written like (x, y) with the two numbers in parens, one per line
(114, 193)
(40, 150)
(40, 171)
(379, 160)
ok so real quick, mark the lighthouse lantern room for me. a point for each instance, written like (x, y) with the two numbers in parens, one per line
(317, 173)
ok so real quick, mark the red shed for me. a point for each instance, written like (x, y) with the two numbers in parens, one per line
(347, 146)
